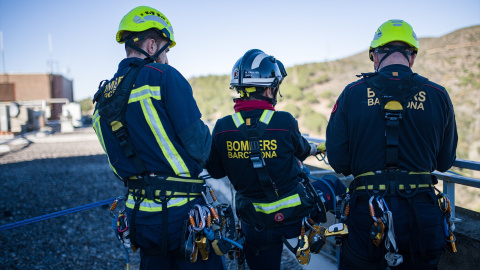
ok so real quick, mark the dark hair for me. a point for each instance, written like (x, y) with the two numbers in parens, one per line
(151, 33)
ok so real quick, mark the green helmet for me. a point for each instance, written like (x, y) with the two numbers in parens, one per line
(393, 30)
(143, 18)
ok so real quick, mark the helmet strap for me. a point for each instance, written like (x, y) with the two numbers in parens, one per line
(392, 49)
(155, 56)
(272, 101)
(275, 90)
(150, 58)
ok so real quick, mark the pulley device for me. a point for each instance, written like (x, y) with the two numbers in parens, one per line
(448, 225)
(120, 226)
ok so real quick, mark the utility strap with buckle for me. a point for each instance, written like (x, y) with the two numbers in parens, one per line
(393, 104)
(167, 186)
(385, 183)
(253, 135)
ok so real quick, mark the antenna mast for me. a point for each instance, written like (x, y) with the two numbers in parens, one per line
(3, 56)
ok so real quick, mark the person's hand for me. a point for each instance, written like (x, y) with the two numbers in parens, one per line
(321, 148)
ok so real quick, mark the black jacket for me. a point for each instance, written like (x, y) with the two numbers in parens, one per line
(356, 129)
(281, 144)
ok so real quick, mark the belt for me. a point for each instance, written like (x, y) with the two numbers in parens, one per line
(392, 182)
(165, 186)
(401, 187)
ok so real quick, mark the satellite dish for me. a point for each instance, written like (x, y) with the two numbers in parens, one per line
(14, 109)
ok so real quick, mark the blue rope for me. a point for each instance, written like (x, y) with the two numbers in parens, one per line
(233, 242)
(56, 214)
(334, 200)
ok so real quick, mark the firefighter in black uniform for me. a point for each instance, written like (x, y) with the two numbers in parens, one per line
(257, 148)
(149, 125)
(391, 129)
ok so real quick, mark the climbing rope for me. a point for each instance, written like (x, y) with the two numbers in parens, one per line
(55, 214)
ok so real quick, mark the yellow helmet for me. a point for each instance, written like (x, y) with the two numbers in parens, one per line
(393, 30)
(143, 18)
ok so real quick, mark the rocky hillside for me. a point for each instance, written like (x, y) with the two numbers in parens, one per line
(310, 90)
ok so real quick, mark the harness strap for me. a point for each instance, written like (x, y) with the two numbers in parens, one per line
(319, 204)
(129, 150)
(393, 98)
(253, 135)
(117, 121)
(164, 249)
(392, 133)
(133, 237)
(176, 186)
(289, 247)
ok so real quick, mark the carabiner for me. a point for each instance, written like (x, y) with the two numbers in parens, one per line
(380, 202)
(372, 210)
(197, 218)
(212, 193)
(115, 204)
(308, 223)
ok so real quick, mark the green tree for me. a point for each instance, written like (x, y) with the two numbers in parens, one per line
(292, 109)
(86, 104)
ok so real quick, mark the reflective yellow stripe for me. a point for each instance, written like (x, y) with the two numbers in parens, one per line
(401, 187)
(151, 206)
(267, 208)
(185, 180)
(372, 173)
(266, 116)
(168, 193)
(98, 130)
(168, 150)
(364, 174)
(237, 119)
(144, 92)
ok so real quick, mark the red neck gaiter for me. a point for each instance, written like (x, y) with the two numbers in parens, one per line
(248, 105)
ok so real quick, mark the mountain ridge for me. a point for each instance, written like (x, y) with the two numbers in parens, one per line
(310, 90)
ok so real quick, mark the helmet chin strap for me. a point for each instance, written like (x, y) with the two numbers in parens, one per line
(274, 99)
(150, 58)
(392, 49)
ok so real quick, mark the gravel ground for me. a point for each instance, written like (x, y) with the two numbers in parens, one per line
(46, 174)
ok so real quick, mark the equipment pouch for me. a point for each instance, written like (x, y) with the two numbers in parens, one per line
(288, 209)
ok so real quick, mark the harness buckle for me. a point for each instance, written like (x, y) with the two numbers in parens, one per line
(393, 116)
(257, 161)
(121, 135)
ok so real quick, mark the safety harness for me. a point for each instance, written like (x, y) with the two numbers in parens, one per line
(253, 135)
(393, 98)
(302, 202)
(111, 106)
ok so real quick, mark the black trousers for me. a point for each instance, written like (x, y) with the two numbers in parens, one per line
(418, 226)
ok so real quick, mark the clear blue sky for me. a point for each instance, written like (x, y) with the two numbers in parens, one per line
(210, 35)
